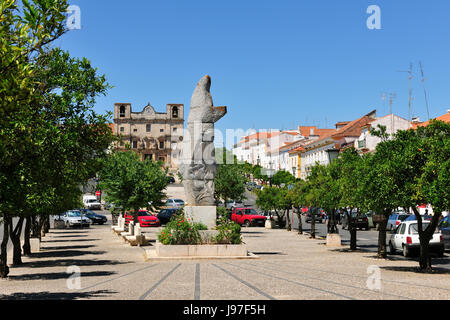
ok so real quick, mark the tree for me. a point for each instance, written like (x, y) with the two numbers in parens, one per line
(229, 183)
(272, 199)
(133, 184)
(282, 178)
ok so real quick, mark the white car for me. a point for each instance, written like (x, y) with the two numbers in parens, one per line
(75, 218)
(174, 203)
(406, 239)
(91, 203)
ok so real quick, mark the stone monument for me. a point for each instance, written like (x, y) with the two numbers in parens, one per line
(197, 159)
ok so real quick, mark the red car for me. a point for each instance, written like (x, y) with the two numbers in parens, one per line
(145, 218)
(248, 217)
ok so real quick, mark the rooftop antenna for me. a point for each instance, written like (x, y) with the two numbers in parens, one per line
(409, 72)
(392, 96)
(424, 89)
(384, 97)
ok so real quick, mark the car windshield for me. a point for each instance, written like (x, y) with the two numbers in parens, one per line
(74, 214)
(414, 228)
(250, 211)
(403, 217)
(92, 201)
(179, 201)
(143, 213)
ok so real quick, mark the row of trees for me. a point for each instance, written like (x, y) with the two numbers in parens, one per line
(51, 140)
(407, 170)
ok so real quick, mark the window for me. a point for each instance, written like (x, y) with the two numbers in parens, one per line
(122, 129)
(174, 129)
(175, 112)
(122, 111)
(161, 144)
(161, 130)
(134, 144)
(135, 130)
(148, 128)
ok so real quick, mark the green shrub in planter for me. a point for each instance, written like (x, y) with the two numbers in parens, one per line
(181, 231)
(229, 232)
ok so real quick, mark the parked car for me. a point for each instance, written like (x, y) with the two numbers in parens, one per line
(171, 179)
(414, 218)
(444, 226)
(91, 203)
(75, 218)
(406, 239)
(94, 217)
(369, 216)
(108, 206)
(396, 219)
(165, 215)
(248, 217)
(251, 186)
(231, 204)
(145, 219)
(319, 216)
(360, 220)
(174, 203)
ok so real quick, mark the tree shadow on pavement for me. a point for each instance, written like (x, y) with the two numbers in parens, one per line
(70, 262)
(67, 248)
(58, 275)
(77, 240)
(416, 270)
(66, 253)
(70, 236)
(58, 295)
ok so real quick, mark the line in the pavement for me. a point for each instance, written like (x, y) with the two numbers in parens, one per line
(197, 282)
(246, 283)
(383, 280)
(330, 281)
(122, 276)
(159, 282)
(302, 284)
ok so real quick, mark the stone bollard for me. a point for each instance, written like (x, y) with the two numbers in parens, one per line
(35, 244)
(131, 228)
(137, 230)
(270, 224)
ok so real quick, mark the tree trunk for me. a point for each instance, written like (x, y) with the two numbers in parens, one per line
(425, 259)
(4, 270)
(26, 242)
(300, 223)
(353, 232)
(15, 239)
(382, 254)
(289, 227)
(313, 223)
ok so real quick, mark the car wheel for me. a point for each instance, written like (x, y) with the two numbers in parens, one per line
(406, 251)
(392, 249)
(247, 224)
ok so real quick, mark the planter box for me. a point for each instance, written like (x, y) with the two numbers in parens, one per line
(201, 251)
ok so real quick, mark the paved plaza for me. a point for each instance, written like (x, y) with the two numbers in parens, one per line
(290, 267)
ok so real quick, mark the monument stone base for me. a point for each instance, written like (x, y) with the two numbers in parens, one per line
(206, 215)
(334, 240)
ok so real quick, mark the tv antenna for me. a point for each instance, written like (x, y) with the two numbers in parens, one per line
(424, 89)
(392, 96)
(410, 78)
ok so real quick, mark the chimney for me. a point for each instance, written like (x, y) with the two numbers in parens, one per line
(415, 120)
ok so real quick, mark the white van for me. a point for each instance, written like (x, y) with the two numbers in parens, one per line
(91, 203)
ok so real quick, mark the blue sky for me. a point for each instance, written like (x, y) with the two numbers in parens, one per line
(275, 64)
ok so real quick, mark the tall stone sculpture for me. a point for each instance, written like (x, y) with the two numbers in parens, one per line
(197, 159)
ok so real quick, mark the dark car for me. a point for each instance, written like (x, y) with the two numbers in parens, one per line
(319, 216)
(94, 217)
(360, 220)
(444, 226)
(165, 215)
(414, 218)
(171, 179)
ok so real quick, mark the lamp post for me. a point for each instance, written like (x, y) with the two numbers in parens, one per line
(332, 226)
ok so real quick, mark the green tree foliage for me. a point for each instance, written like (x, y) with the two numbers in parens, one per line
(133, 184)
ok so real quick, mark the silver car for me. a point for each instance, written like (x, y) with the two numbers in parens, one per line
(75, 219)
(174, 203)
